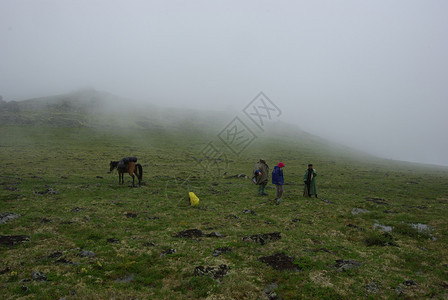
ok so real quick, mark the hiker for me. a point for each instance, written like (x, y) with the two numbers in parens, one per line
(309, 178)
(277, 179)
(260, 178)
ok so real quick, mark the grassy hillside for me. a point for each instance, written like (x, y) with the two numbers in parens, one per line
(379, 229)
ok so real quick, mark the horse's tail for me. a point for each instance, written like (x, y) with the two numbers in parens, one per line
(140, 171)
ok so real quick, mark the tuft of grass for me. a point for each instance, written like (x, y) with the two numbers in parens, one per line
(375, 238)
(408, 230)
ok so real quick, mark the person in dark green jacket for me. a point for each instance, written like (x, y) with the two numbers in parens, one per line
(261, 176)
(309, 179)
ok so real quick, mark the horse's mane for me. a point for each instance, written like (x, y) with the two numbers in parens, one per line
(113, 165)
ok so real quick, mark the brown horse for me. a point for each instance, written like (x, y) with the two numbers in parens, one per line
(126, 166)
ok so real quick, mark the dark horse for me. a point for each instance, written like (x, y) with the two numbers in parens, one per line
(127, 165)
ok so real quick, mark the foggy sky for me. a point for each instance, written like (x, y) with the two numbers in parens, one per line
(369, 74)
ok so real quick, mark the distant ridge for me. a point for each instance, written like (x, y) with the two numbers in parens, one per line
(84, 100)
(92, 108)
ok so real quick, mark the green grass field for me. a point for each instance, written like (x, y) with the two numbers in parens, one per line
(91, 238)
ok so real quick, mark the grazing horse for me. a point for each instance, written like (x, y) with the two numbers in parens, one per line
(127, 165)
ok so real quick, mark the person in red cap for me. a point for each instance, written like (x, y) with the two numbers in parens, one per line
(278, 180)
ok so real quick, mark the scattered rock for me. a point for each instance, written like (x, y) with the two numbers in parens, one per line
(270, 291)
(10, 188)
(24, 288)
(125, 279)
(69, 222)
(315, 250)
(215, 191)
(263, 238)
(278, 201)
(420, 227)
(99, 177)
(377, 200)
(295, 220)
(46, 220)
(148, 244)
(237, 176)
(190, 233)
(372, 287)
(55, 254)
(357, 211)
(196, 233)
(113, 241)
(5, 217)
(77, 209)
(423, 230)
(233, 217)
(168, 252)
(409, 283)
(221, 250)
(280, 261)
(153, 218)
(421, 207)
(346, 264)
(38, 276)
(5, 270)
(215, 234)
(64, 261)
(326, 201)
(249, 211)
(131, 215)
(380, 227)
(48, 191)
(85, 253)
(355, 227)
(215, 272)
(12, 240)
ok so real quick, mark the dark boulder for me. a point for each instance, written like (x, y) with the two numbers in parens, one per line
(12, 240)
(263, 238)
(280, 261)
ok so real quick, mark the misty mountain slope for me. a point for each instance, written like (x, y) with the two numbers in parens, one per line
(97, 109)
(66, 217)
(83, 108)
(91, 108)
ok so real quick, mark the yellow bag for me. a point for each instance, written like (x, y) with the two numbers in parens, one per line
(194, 200)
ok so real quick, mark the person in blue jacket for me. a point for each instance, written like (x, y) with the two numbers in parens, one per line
(278, 180)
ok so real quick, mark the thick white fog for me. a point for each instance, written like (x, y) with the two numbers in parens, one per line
(369, 74)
